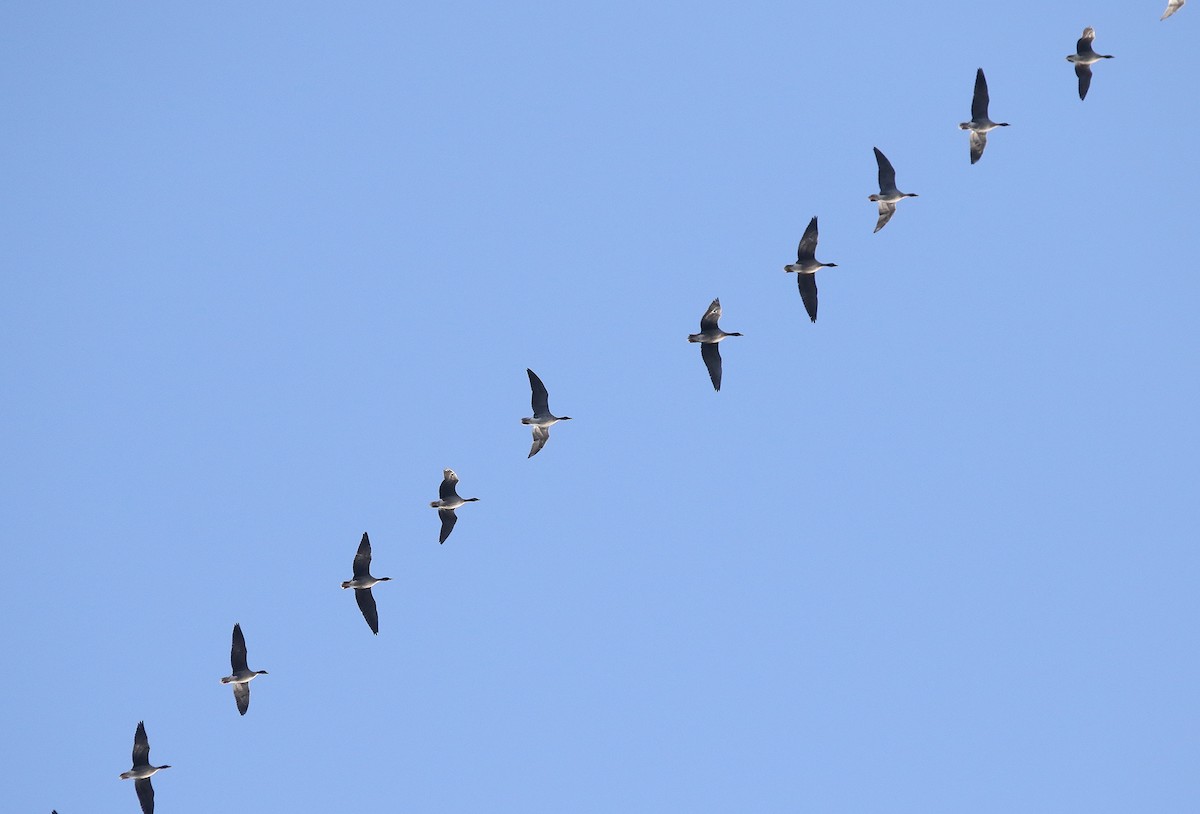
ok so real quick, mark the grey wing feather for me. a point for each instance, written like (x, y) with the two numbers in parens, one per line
(712, 360)
(808, 293)
(447, 490)
(887, 174)
(1084, 72)
(145, 793)
(241, 694)
(709, 321)
(237, 653)
(362, 560)
(540, 436)
(366, 604)
(448, 521)
(886, 210)
(141, 746)
(979, 102)
(807, 249)
(978, 142)
(541, 398)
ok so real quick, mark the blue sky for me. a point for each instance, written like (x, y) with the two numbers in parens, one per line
(269, 270)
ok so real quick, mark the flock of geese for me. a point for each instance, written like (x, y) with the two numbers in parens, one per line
(709, 337)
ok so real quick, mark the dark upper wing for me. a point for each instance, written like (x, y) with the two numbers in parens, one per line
(712, 360)
(237, 653)
(887, 175)
(366, 604)
(145, 793)
(446, 490)
(362, 560)
(808, 293)
(448, 521)
(141, 746)
(541, 399)
(1083, 46)
(979, 102)
(708, 322)
(1084, 72)
(241, 694)
(807, 249)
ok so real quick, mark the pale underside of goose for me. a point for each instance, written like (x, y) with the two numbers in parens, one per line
(363, 582)
(709, 337)
(888, 195)
(980, 125)
(542, 419)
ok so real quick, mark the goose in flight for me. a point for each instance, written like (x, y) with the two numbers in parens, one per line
(242, 675)
(363, 582)
(888, 195)
(542, 419)
(448, 500)
(806, 266)
(1172, 7)
(142, 770)
(980, 124)
(1083, 58)
(710, 334)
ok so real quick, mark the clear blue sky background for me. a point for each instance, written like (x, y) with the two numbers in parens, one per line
(269, 267)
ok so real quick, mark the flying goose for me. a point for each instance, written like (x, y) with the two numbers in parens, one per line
(448, 500)
(242, 675)
(980, 124)
(710, 334)
(806, 266)
(542, 419)
(362, 583)
(1172, 7)
(888, 195)
(1083, 58)
(142, 770)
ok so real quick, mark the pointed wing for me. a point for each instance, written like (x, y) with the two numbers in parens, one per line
(362, 560)
(449, 479)
(708, 322)
(366, 604)
(541, 399)
(808, 293)
(141, 746)
(887, 175)
(1172, 7)
(448, 521)
(807, 249)
(978, 142)
(237, 653)
(145, 793)
(241, 694)
(979, 102)
(1084, 72)
(711, 355)
(540, 436)
(886, 210)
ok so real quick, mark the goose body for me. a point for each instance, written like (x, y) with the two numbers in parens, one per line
(980, 125)
(142, 769)
(710, 335)
(448, 500)
(363, 582)
(806, 267)
(542, 419)
(888, 195)
(242, 675)
(1084, 57)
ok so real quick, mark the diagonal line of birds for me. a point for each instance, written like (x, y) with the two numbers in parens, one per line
(709, 338)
